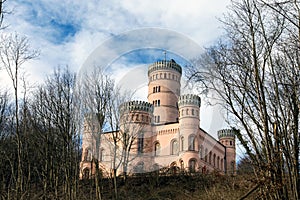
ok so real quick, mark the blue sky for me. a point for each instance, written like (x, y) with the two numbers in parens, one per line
(68, 32)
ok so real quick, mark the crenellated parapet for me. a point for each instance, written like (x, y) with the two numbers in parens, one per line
(164, 65)
(189, 99)
(136, 106)
(225, 133)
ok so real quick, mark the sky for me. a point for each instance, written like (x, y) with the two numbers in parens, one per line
(122, 36)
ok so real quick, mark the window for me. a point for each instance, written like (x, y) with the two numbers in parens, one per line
(230, 143)
(193, 113)
(192, 165)
(187, 111)
(205, 155)
(86, 173)
(165, 75)
(174, 147)
(156, 119)
(182, 165)
(156, 103)
(214, 160)
(153, 89)
(222, 164)
(182, 143)
(156, 149)
(209, 158)
(101, 155)
(86, 155)
(191, 143)
(201, 152)
(158, 90)
(140, 144)
(218, 162)
(232, 167)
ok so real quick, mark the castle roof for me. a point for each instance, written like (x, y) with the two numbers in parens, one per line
(163, 65)
(137, 106)
(189, 99)
(227, 133)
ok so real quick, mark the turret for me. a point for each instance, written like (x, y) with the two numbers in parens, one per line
(189, 120)
(136, 119)
(136, 112)
(227, 138)
(163, 90)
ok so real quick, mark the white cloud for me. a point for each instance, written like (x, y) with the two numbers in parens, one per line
(93, 22)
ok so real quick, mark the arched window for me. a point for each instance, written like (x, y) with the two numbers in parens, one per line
(222, 164)
(191, 143)
(192, 165)
(201, 152)
(205, 155)
(232, 167)
(182, 165)
(101, 155)
(156, 149)
(214, 160)
(182, 143)
(86, 154)
(209, 158)
(86, 173)
(174, 147)
(218, 162)
(140, 144)
(193, 112)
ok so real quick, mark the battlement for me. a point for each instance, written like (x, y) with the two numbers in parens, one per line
(136, 106)
(161, 65)
(189, 99)
(227, 133)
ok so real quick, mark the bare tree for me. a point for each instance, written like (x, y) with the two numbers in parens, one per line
(54, 119)
(95, 90)
(254, 71)
(114, 119)
(14, 52)
(2, 11)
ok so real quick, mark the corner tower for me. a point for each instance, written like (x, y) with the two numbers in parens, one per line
(189, 121)
(227, 138)
(163, 90)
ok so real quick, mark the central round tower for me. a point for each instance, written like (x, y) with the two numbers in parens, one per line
(163, 90)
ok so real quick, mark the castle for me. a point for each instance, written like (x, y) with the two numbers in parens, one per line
(161, 133)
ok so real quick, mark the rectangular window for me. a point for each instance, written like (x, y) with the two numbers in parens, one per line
(140, 145)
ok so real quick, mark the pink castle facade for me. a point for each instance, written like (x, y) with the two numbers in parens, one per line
(163, 133)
